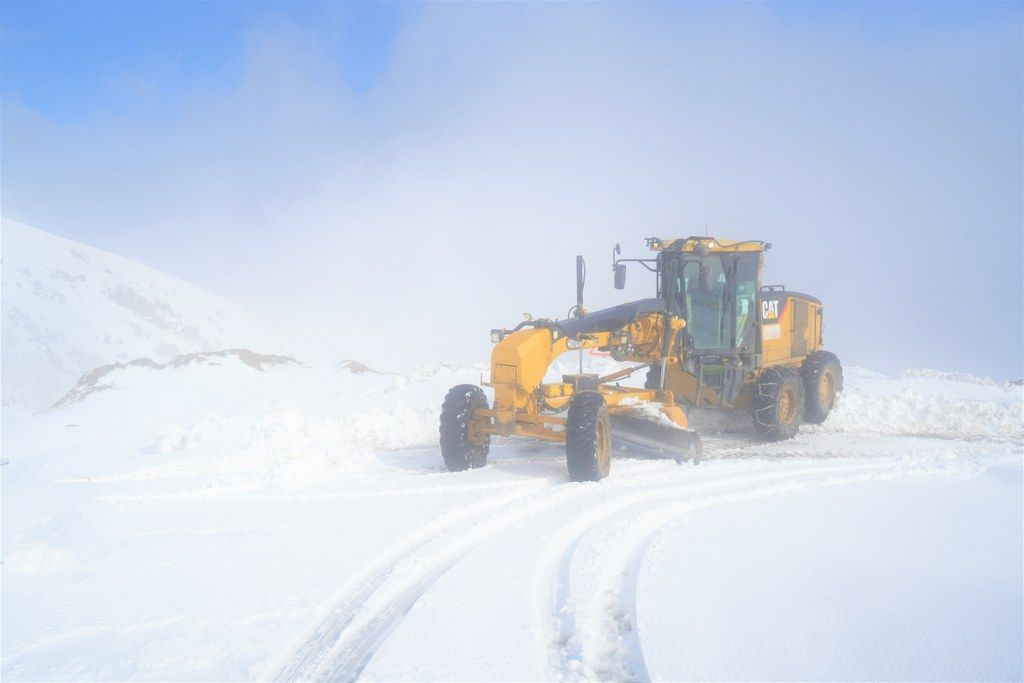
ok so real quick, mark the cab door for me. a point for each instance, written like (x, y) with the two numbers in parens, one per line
(744, 277)
(720, 301)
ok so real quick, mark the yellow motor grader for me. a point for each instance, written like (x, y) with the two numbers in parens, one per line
(712, 337)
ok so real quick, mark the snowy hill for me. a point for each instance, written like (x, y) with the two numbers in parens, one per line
(69, 308)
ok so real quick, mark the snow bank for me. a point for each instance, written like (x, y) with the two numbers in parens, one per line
(235, 418)
(286, 448)
(220, 418)
(918, 402)
(926, 403)
(964, 377)
(239, 418)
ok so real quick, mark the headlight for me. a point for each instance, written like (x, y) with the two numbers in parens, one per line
(495, 336)
(573, 343)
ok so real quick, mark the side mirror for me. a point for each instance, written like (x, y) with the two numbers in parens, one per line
(620, 276)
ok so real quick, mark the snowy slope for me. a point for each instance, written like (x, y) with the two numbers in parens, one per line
(68, 308)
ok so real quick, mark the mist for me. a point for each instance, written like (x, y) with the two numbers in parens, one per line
(398, 213)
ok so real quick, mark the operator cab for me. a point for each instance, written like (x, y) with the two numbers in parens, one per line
(714, 285)
(716, 293)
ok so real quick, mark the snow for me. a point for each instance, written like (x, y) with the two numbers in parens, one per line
(68, 308)
(927, 404)
(233, 512)
(837, 595)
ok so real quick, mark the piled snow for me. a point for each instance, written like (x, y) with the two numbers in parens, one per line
(68, 308)
(949, 405)
(965, 377)
(237, 418)
(927, 403)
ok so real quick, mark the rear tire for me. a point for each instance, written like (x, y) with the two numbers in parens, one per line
(588, 437)
(778, 403)
(823, 379)
(458, 450)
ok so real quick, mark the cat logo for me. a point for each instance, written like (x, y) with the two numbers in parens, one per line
(770, 310)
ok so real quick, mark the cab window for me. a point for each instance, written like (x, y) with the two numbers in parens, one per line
(717, 296)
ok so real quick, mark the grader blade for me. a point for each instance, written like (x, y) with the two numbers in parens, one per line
(658, 439)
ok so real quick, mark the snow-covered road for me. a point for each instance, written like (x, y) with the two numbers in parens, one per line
(508, 572)
(913, 578)
(540, 582)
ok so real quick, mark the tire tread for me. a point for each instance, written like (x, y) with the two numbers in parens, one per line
(764, 406)
(814, 364)
(456, 412)
(586, 409)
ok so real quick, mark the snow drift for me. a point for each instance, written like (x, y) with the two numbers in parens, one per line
(927, 403)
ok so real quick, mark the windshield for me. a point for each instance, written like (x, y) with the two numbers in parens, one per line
(716, 297)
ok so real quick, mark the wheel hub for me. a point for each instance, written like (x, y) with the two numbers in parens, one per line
(604, 447)
(826, 388)
(787, 406)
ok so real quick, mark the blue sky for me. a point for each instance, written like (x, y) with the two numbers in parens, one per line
(68, 59)
(278, 153)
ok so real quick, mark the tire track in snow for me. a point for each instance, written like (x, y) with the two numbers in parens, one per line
(558, 640)
(304, 656)
(610, 641)
(355, 625)
(384, 609)
(345, 638)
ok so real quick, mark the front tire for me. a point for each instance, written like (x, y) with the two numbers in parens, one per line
(588, 437)
(458, 447)
(823, 379)
(778, 403)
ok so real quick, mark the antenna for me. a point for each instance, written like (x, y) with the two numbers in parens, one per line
(581, 279)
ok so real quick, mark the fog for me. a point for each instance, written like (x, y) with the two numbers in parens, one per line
(398, 218)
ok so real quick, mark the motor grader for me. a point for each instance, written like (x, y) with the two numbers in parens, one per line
(713, 336)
